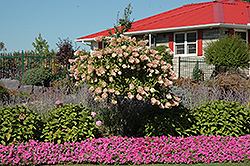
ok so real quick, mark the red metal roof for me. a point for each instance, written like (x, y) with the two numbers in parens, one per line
(223, 11)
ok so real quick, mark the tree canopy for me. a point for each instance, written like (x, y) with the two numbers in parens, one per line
(41, 46)
(125, 23)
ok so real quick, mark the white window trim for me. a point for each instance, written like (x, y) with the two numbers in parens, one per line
(185, 45)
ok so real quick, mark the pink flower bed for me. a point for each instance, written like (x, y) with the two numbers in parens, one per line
(124, 150)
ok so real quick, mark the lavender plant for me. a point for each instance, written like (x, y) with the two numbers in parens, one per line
(194, 95)
(45, 104)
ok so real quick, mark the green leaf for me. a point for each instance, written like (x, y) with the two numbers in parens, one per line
(8, 136)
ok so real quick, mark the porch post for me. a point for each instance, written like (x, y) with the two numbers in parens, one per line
(149, 39)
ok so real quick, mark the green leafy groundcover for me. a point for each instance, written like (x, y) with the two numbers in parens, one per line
(130, 150)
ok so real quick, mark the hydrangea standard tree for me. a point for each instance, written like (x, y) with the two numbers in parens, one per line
(125, 69)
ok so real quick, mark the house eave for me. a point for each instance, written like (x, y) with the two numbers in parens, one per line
(85, 40)
(184, 28)
(194, 27)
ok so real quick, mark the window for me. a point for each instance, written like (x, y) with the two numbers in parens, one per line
(185, 43)
(243, 35)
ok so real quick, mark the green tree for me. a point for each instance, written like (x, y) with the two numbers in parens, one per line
(125, 23)
(41, 46)
(227, 53)
(246, 0)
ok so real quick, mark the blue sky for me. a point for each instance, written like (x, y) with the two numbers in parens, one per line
(23, 20)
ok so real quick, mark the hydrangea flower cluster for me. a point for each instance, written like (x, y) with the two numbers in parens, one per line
(124, 150)
(125, 68)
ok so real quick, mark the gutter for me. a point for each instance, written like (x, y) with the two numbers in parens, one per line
(85, 43)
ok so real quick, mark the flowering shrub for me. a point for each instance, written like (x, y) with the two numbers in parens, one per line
(125, 68)
(166, 53)
(129, 150)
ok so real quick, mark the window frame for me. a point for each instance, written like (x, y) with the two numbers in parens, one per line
(186, 44)
(241, 30)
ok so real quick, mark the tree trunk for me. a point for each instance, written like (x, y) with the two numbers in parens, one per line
(121, 108)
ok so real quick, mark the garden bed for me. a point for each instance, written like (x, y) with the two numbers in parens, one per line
(131, 150)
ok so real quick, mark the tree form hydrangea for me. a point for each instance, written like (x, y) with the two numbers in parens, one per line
(125, 68)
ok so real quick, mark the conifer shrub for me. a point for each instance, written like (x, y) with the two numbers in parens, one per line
(19, 124)
(69, 122)
(220, 118)
(198, 74)
(36, 76)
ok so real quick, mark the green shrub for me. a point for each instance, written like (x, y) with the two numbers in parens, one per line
(221, 118)
(36, 76)
(4, 94)
(162, 52)
(70, 123)
(170, 122)
(19, 124)
(226, 53)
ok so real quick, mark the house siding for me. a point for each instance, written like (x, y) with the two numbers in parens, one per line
(186, 70)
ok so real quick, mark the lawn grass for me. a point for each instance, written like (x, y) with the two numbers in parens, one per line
(204, 164)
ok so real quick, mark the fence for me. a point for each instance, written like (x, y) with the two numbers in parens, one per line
(14, 65)
(186, 65)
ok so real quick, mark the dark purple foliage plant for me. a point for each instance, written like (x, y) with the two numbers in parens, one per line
(66, 51)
